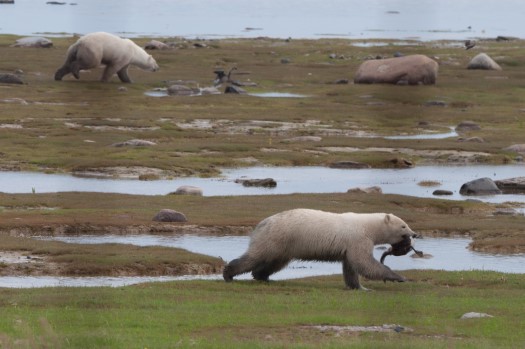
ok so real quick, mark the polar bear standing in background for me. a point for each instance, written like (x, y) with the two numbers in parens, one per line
(95, 49)
(313, 235)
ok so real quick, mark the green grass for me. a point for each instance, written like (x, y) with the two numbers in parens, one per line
(59, 117)
(249, 314)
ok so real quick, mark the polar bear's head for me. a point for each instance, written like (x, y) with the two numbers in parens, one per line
(397, 230)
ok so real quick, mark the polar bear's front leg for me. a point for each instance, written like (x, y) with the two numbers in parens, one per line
(365, 264)
(112, 69)
(123, 75)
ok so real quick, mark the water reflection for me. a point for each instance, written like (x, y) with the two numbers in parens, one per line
(310, 179)
(424, 19)
(448, 254)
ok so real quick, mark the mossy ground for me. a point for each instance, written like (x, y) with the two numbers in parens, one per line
(280, 314)
(71, 125)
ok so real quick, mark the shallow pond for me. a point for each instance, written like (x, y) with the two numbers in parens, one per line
(161, 92)
(448, 254)
(289, 180)
(424, 19)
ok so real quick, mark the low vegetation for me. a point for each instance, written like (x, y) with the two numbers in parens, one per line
(72, 126)
(282, 314)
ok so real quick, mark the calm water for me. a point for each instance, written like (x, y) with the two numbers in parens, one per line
(420, 19)
(448, 254)
(289, 180)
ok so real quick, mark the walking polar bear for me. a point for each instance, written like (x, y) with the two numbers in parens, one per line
(306, 234)
(117, 54)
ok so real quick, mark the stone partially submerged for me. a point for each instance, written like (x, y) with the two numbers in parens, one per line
(407, 70)
(512, 185)
(480, 186)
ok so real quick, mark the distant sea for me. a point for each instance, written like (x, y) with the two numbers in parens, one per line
(353, 19)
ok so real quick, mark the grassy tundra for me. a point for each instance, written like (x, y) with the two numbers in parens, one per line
(70, 126)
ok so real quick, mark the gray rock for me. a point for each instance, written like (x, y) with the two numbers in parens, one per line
(474, 315)
(33, 41)
(210, 91)
(349, 164)
(156, 45)
(440, 192)
(471, 139)
(483, 61)
(134, 143)
(342, 82)
(235, 90)
(188, 190)
(369, 190)
(465, 126)
(302, 139)
(181, 90)
(436, 104)
(505, 212)
(480, 186)
(517, 148)
(511, 185)
(266, 182)
(10, 79)
(167, 215)
(286, 60)
(410, 70)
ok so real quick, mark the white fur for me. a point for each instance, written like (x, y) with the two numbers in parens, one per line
(306, 234)
(117, 54)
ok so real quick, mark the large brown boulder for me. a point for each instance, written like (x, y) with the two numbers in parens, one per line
(411, 70)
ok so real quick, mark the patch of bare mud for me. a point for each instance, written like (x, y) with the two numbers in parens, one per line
(19, 263)
(153, 229)
(345, 329)
(112, 128)
(133, 172)
(26, 102)
(11, 126)
(313, 127)
(432, 156)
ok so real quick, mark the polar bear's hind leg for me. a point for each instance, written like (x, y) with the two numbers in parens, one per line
(263, 270)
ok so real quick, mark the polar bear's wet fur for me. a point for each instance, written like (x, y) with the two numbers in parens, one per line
(117, 54)
(312, 235)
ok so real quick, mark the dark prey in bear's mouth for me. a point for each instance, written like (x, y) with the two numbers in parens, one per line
(400, 249)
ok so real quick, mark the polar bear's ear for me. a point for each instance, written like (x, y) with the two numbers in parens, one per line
(387, 218)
